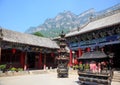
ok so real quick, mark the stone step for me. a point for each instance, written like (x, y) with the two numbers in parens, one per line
(116, 76)
(116, 72)
(115, 80)
(37, 71)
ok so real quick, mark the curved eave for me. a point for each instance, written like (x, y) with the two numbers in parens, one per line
(93, 55)
(98, 24)
(16, 37)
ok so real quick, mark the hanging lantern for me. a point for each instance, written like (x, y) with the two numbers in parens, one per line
(75, 61)
(88, 49)
(102, 49)
(13, 50)
(52, 54)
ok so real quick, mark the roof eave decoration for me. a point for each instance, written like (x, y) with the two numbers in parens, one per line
(110, 20)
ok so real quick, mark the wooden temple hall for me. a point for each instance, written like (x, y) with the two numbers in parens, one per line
(26, 51)
(101, 33)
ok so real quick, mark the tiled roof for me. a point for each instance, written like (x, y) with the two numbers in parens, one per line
(93, 55)
(17, 37)
(97, 24)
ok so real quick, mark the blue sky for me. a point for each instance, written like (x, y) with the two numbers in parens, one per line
(19, 15)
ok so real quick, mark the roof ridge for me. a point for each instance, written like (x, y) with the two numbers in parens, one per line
(105, 15)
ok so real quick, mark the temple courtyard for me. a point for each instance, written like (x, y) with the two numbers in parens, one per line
(42, 78)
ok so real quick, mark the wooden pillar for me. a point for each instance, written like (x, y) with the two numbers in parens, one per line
(45, 61)
(40, 61)
(70, 62)
(22, 59)
(0, 54)
(0, 46)
(25, 65)
(79, 52)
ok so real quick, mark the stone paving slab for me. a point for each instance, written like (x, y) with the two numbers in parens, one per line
(43, 78)
(40, 79)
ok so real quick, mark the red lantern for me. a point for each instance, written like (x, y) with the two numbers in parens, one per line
(75, 61)
(102, 49)
(13, 51)
(88, 49)
(52, 54)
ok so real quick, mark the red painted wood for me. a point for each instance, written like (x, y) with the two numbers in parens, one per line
(70, 62)
(22, 59)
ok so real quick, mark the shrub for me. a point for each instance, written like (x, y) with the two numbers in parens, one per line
(13, 69)
(81, 67)
(87, 66)
(3, 67)
(20, 69)
(75, 67)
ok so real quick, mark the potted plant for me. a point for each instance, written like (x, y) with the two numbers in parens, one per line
(81, 67)
(87, 67)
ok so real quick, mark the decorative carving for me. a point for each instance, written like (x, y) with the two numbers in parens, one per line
(117, 30)
(89, 36)
(83, 37)
(95, 35)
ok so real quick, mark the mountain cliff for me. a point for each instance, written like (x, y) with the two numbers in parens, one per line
(68, 21)
(65, 21)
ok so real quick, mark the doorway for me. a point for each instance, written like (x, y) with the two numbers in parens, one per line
(115, 49)
(31, 60)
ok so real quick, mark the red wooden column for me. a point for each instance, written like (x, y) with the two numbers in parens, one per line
(79, 52)
(22, 59)
(0, 54)
(40, 61)
(70, 62)
(25, 60)
(45, 61)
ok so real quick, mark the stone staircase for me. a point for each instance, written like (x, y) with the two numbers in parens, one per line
(116, 76)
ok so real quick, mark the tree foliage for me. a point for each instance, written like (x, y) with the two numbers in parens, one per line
(38, 34)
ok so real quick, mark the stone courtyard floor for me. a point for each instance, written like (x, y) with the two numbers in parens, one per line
(47, 78)
(39, 79)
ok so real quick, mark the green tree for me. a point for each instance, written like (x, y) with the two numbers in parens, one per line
(38, 34)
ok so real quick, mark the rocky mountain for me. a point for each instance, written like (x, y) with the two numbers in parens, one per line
(68, 21)
(63, 21)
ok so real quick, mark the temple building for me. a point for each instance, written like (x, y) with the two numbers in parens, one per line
(26, 51)
(100, 33)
